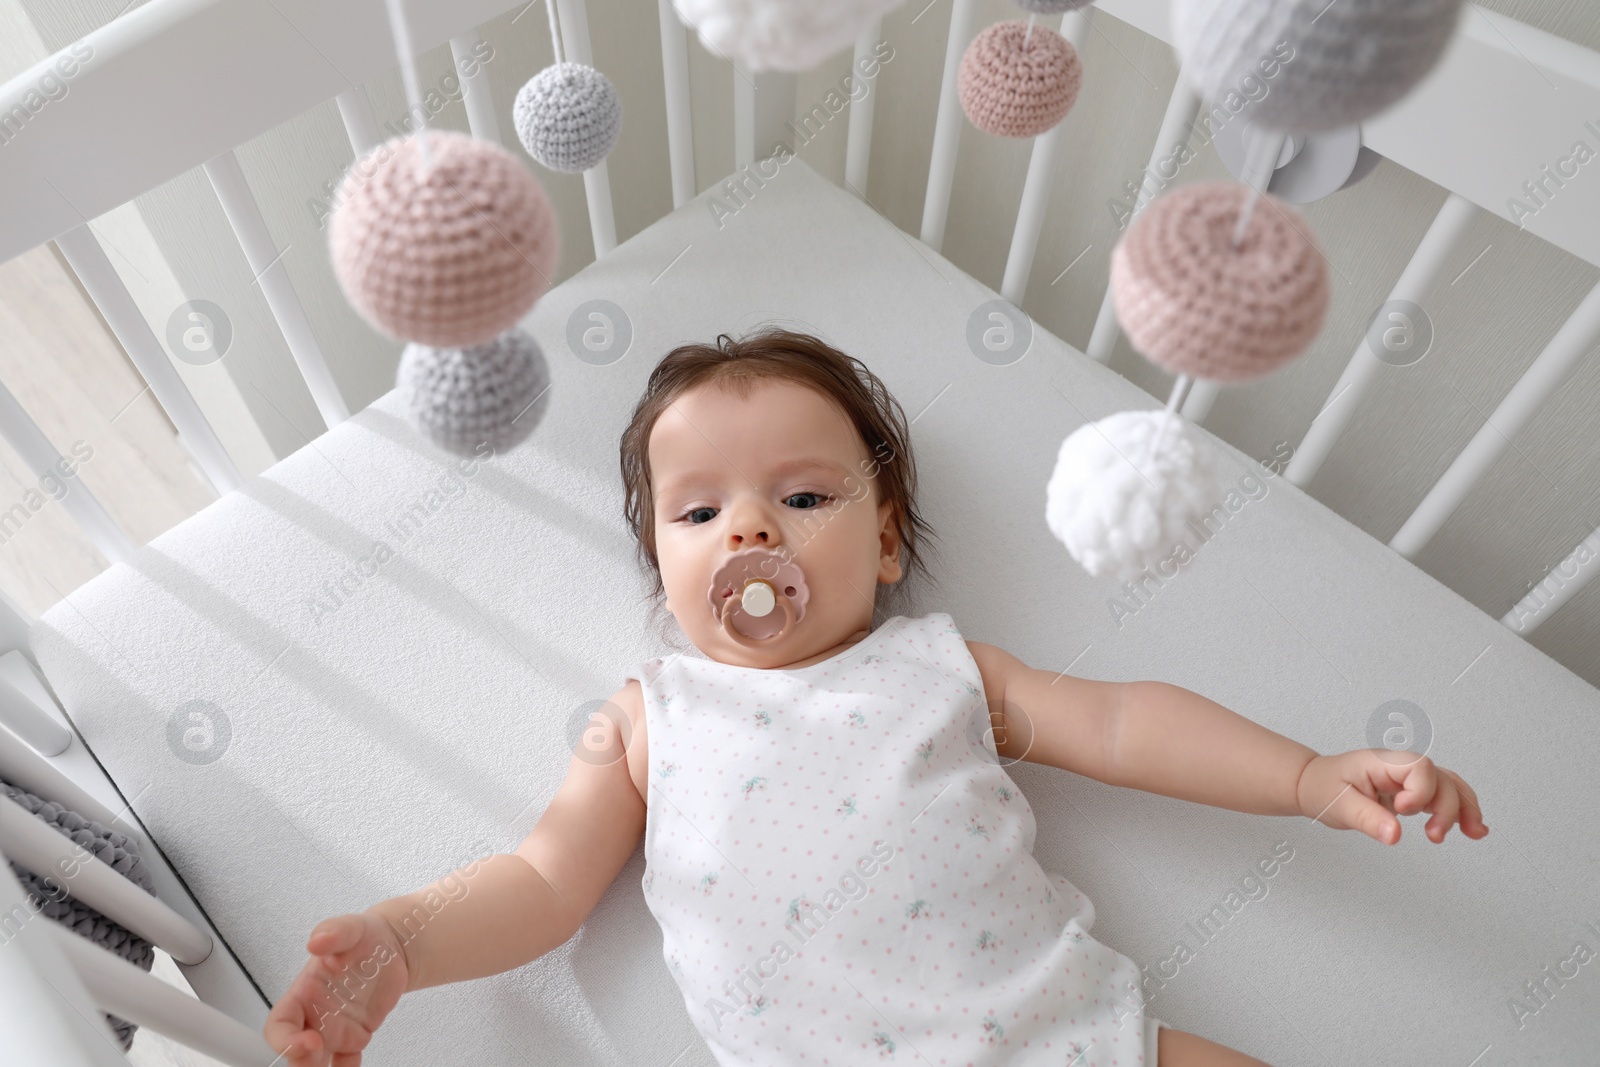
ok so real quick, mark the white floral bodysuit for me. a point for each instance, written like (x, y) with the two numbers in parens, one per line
(843, 871)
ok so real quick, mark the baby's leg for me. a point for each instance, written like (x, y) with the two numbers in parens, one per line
(1175, 1048)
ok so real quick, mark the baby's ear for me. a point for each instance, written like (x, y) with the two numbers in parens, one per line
(889, 569)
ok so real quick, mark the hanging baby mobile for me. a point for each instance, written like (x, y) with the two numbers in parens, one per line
(568, 116)
(1220, 280)
(446, 241)
(1017, 79)
(786, 35)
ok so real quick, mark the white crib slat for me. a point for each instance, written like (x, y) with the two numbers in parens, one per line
(26, 769)
(744, 116)
(1036, 187)
(359, 123)
(220, 980)
(1427, 263)
(48, 854)
(1563, 582)
(27, 709)
(858, 146)
(46, 1014)
(14, 623)
(1197, 405)
(1176, 126)
(680, 122)
(43, 733)
(602, 222)
(946, 128)
(266, 263)
(596, 180)
(1579, 334)
(475, 87)
(41, 457)
(89, 262)
(1261, 160)
(124, 990)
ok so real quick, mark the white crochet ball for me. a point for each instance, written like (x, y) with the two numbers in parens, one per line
(780, 34)
(1119, 506)
(1330, 64)
(568, 116)
(462, 398)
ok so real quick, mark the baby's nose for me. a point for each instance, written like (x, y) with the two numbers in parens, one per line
(750, 526)
(748, 537)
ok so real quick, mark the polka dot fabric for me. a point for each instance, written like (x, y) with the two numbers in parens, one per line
(843, 872)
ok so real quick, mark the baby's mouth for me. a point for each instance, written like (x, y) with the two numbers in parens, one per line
(758, 594)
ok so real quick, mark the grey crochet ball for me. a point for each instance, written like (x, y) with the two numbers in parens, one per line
(1306, 65)
(52, 898)
(568, 116)
(1052, 7)
(493, 393)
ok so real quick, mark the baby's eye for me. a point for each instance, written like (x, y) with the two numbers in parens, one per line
(692, 512)
(819, 497)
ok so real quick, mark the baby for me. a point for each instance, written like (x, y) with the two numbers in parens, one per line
(841, 867)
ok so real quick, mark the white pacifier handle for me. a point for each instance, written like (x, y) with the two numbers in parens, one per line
(759, 599)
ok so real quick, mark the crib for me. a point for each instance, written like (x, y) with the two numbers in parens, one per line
(422, 713)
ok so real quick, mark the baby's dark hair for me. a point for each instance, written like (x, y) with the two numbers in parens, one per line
(777, 353)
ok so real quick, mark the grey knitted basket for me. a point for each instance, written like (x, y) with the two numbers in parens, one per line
(110, 847)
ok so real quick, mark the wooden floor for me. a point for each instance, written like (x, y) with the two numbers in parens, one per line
(60, 361)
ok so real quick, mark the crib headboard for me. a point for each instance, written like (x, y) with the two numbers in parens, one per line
(79, 136)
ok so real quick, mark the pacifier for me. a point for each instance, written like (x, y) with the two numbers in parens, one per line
(758, 594)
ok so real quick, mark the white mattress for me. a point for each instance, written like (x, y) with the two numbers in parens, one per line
(427, 719)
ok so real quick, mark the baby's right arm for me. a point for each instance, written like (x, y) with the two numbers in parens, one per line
(498, 913)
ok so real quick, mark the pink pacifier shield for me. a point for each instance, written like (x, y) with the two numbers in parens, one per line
(768, 565)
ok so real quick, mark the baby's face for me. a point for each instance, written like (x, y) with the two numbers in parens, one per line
(783, 469)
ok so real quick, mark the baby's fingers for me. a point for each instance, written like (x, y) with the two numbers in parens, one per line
(1472, 823)
(286, 1033)
(1358, 811)
(1414, 784)
(1446, 807)
(1470, 816)
(341, 933)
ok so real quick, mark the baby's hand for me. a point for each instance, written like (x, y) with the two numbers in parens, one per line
(1367, 788)
(354, 978)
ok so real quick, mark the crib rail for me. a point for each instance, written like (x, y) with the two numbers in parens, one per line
(171, 919)
(1504, 93)
(37, 847)
(66, 1029)
(218, 72)
(46, 1014)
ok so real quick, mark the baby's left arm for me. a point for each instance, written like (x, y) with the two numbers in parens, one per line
(1165, 739)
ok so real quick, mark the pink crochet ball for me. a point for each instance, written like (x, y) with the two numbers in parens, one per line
(1014, 91)
(450, 254)
(1196, 305)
